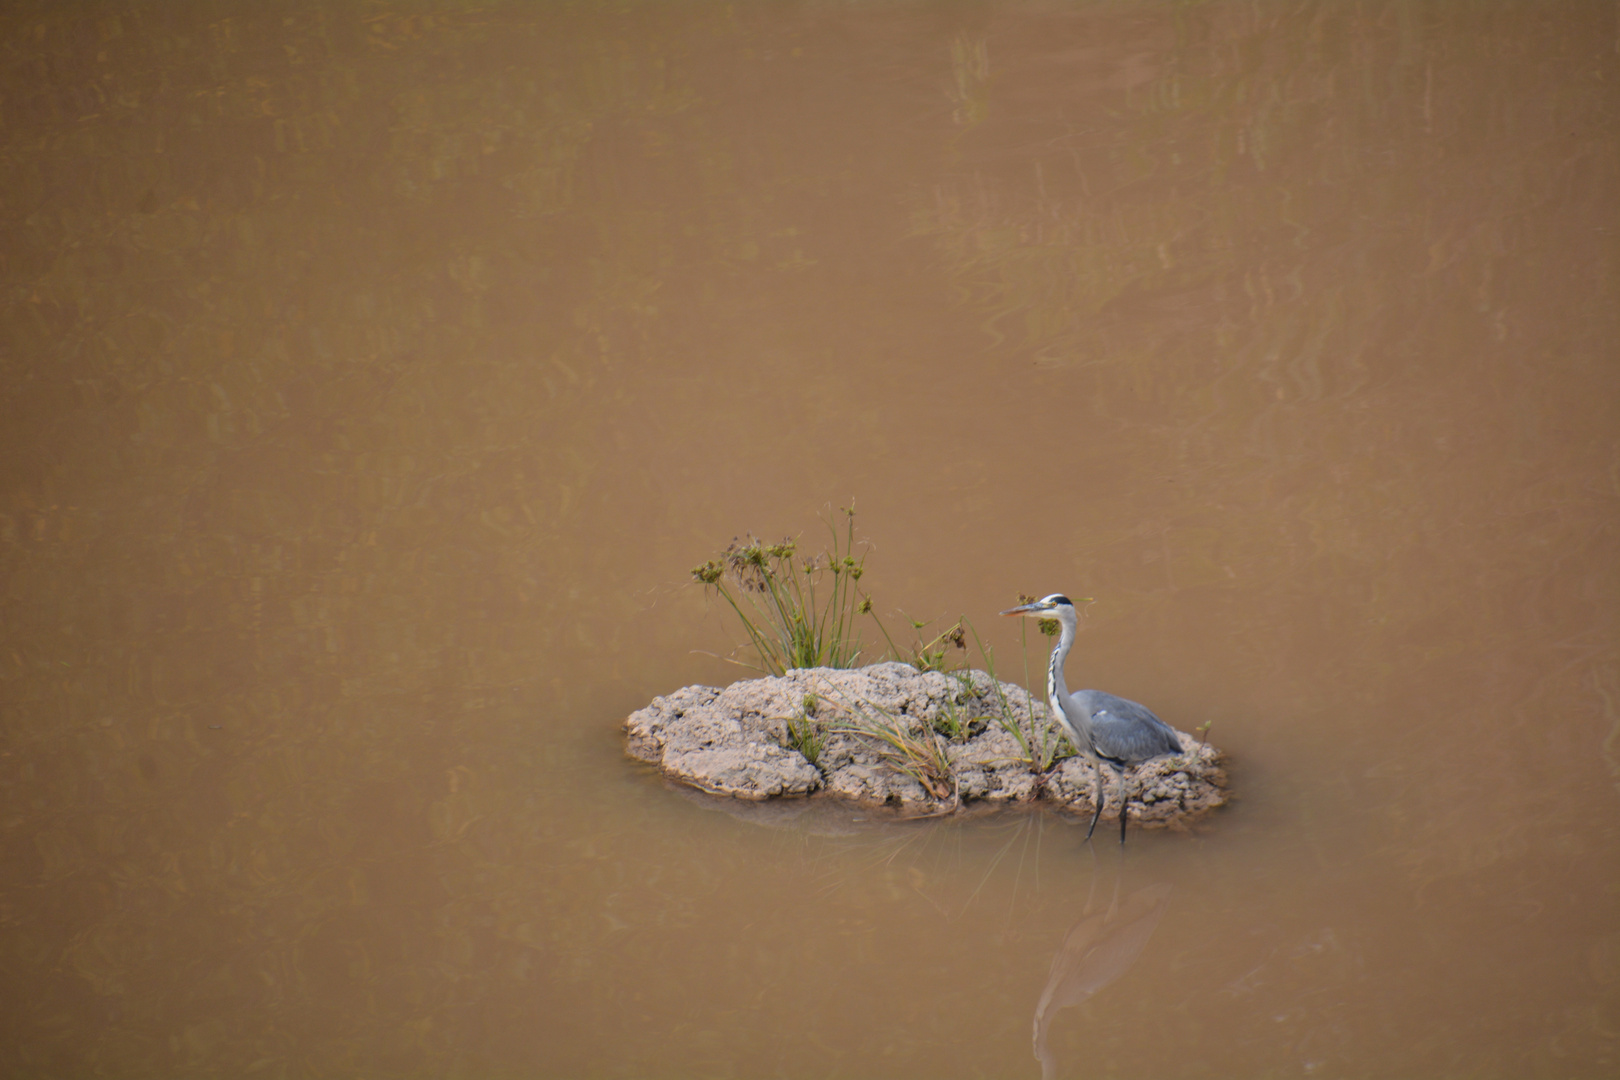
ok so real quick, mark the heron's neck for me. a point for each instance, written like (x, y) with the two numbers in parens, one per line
(1057, 689)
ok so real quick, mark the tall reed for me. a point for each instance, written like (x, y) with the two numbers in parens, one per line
(797, 610)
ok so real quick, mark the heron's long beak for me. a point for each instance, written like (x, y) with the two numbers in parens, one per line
(1029, 609)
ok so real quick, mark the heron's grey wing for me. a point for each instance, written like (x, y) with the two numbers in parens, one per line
(1126, 731)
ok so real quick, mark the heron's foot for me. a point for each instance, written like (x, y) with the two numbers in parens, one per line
(1093, 826)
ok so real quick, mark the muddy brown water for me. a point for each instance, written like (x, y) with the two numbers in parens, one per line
(373, 376)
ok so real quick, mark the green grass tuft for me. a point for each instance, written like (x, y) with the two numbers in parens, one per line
(921, 756)
(806, 736)
(797, 610)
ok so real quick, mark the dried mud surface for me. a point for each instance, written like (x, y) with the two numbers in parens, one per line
(739, 742)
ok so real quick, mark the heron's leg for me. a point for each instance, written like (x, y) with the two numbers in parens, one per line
(1124, 804)
(1098, 799)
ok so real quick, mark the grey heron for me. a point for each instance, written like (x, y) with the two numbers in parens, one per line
(1103, 727)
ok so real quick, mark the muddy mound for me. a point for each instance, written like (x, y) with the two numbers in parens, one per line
(926, 742)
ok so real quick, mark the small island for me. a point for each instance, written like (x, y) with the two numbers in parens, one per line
(927, 743)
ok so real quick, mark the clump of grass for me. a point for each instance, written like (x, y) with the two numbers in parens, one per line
(921, 756)
(932, 656)
(957, 719)
(797, 610)
(806, 736)
(1040, 744)
(952, 722)
(804, 733)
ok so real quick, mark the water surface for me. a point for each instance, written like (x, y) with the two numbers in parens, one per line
(372, 378)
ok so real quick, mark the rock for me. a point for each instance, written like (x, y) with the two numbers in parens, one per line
(749, 771)
(647, 727)
(925, 742)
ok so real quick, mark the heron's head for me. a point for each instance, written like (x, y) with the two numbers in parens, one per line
(1047, 607)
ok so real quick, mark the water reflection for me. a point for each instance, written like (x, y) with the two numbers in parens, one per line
(1099, 948)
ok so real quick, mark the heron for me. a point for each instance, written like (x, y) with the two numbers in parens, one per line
(1103, 727)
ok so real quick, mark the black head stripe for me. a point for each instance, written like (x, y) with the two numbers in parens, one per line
(1057, 598)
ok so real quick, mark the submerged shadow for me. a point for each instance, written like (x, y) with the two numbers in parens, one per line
(1098, 949)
